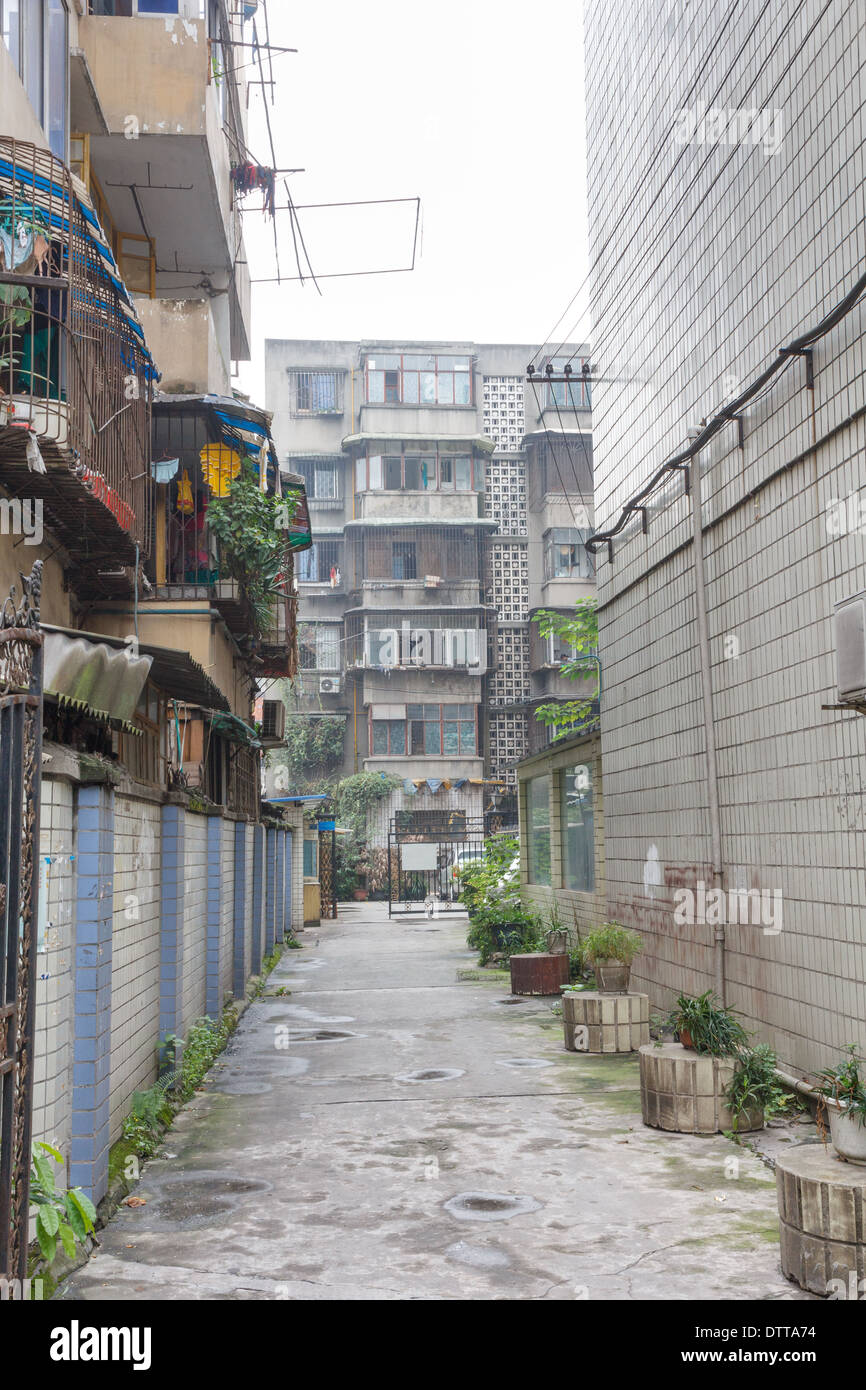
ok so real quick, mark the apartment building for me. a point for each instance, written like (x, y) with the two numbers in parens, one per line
(728, 242)
(124, 300)
(451, 500)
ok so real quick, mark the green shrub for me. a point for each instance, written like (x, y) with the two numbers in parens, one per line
(713, 1029)
(612, 941)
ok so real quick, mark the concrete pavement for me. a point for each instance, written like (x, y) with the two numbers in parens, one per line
(396, 1128)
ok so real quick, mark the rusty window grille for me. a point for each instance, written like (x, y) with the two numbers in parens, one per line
(316, 393)
(244, 786)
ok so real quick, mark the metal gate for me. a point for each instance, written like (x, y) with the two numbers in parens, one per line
(20, 772)
(425, 853)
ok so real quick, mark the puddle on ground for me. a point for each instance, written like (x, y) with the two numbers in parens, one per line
(431, 1074)
(513, 1000)
(322, 1035)
(196, 1200)
(478, 1256)
(523, 1062)
(489, 1206)
(298, 1011)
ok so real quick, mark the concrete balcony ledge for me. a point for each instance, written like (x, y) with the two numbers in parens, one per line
(437, 506)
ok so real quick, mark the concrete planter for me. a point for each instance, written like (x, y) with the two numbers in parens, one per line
(822, 1216)
(543, 972)
(612, 976)
(682, 1091)
(848, 1135)
(594, 1022)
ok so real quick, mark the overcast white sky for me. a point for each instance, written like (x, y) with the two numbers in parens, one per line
(476, 106)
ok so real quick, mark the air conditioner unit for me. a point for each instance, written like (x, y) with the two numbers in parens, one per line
(850, 632)
(329, 685)
(273, 721)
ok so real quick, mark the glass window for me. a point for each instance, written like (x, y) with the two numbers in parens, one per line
(566, 555)
(311, 858)
(432, 737)
(446, 474)
(328, 647)
(463, 474)
(403, 564)
(157, 6)
(576, 819)
(393, 473)
(538, 829)
(376, 387)
(461, 388)
(361, 475)
(375, 473)
(428, 388)
(58, 83)
(412, 474)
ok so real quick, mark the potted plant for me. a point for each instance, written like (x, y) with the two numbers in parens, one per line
(754, 1087)
(844, 1086)
(610, 949)
(707, 1026)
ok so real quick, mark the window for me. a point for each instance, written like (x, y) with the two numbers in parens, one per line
(419, 473)
(388, 738)
(35, 33)
(316, 393)
(562, 465)
(321, 564)
(395, 378)
(323, 477)
(576, 820)
(319, 647)
(403, 561)
(437, 730)
(568, 395)
(311, 858)
(538, 829)
(566, 555)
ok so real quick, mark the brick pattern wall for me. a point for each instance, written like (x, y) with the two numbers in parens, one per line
(135, 956)
(52, 1093)
(728, 252)
(228, 911)
(195, 919)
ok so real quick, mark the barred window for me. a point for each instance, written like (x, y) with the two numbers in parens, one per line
(316, 393)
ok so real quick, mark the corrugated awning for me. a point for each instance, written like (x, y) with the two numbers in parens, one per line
(93, 676)
(176, 673)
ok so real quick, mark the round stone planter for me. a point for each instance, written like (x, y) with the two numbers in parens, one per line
(822, 1215)
(594, 1022)
(679, 1090)
(543, 972)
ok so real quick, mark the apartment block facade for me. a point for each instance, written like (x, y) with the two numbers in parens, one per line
(728, 243)
(451, 500)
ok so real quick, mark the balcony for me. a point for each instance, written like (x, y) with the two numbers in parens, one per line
(164, 161)
(75, 375)
(442, 507)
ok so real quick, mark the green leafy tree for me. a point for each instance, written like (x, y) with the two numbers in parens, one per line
(250, 526)
(580, 631)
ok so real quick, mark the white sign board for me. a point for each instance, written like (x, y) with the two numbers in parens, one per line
(418, 857)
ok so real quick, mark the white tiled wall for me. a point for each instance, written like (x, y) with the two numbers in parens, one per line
(135, 953)
(195, 919)
(228, 910)
(726, 253)
(52, 1098)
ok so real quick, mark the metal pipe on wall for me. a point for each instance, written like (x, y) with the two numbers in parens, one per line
(709, 726)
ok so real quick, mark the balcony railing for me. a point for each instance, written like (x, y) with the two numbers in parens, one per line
(75, 375)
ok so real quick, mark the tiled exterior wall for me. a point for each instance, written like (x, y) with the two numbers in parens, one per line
(228, 909)
(248, 899)
(135, 953)
(576, 911)
(52, 1095)
(726, 252)
(195, 919)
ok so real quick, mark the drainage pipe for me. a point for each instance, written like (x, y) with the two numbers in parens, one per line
(709, 726)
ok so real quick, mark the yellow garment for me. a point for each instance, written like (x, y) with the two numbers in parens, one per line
(220, 466)
(185, 502)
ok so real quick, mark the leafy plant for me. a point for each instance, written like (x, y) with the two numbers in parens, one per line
(755, 1086)
(845, 1084)
(612, 941)
(490, 891)
(712, 1027)
(250, 527)
(580, 631)
(69, 1216)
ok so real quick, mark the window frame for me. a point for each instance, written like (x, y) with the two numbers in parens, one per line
(363, 464)
(439, 722)
(535, 875)
(565, 827)
(414, 372)
(302, 378)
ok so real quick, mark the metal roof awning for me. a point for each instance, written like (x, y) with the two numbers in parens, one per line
(93, 677)
(176, 673)
(476, 441)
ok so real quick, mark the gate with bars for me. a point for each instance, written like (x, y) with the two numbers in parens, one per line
(426, 850)
(20, 774)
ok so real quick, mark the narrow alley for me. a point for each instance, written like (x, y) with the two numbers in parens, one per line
(388, 1123)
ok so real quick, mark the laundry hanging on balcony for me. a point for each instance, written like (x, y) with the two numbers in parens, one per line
(220, 466)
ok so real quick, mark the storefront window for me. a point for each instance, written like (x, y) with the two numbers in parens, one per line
(576, 819)
(538, 828)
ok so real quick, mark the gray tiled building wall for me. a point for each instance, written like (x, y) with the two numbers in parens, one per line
(703, 267)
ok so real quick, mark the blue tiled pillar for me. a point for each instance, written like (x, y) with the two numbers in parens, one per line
(94, 908)
(258, 897)
(240, 910)
(270, 888)
(281, 885)
(213, 1002)
(290, 845)
(171, 922)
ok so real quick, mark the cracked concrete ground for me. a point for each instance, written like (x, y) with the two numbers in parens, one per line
(318, 1164)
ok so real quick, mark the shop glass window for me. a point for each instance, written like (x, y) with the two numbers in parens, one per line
(538, 829)
(576, 819)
